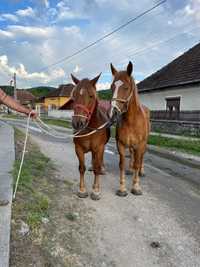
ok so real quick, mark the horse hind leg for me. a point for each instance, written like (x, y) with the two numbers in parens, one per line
(82, 193)
(141, 171)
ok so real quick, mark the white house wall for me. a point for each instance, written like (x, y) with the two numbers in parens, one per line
(190, 98)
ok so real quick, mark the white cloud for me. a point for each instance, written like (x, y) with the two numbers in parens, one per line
(64, 12)
(77, 69)
(103, 86)
(23, 74)
(10, 17)
(27, 12)
(5, 34)
(191, 11)
(30, 31)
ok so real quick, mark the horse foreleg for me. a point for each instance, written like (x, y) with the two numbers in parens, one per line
(122, 191)
(136, 189)
(142, 172)
(82, 193)
(97, 159)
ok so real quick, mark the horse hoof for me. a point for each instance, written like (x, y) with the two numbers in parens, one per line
(129, 172)
(90, 169)
(137, 192)
(142, 174)
(82, 194)
(95, 196)
(121, 193)
(103, 172)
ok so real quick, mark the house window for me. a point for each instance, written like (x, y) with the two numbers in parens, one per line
(173, 107)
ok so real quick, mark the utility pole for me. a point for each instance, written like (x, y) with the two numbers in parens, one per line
(15, 86)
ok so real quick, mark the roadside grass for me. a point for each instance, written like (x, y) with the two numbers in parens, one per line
(188, 146)
(31, 205)
(50, 121)
(57, 122)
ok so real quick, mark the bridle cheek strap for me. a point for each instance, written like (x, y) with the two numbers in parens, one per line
(125, 101)
(86, 110)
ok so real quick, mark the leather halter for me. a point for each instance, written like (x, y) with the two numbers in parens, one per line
(125, 101)
(87, 111)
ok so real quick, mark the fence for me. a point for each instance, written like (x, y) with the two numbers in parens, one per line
(173, 115)
(67, 114)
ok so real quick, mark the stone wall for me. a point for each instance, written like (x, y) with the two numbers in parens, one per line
(176, 127)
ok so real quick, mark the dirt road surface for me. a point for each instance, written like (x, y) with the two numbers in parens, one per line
(159, 228)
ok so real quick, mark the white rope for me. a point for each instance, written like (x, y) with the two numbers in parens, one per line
(76, 135)
(23, 154)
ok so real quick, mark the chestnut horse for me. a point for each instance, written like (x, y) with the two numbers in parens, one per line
(88, 115)
(133, 125)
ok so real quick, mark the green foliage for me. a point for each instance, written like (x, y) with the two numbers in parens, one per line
(36, 91)
(189, 146)
(105, 94)
(41, 90)
(9, 90)
(36, 166)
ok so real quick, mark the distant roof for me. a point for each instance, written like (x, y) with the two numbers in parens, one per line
(63, 90)
(183, 70)
(24, 96)
(67, 105)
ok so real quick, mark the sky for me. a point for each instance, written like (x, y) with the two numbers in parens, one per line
(37, 33)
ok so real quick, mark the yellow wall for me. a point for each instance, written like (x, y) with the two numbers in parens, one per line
(56, 101)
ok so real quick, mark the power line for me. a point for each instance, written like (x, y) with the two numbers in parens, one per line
(104, 36)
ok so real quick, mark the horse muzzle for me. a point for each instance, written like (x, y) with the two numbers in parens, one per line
(79, 123)
(115, 115)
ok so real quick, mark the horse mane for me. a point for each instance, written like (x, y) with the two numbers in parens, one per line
(135, 92)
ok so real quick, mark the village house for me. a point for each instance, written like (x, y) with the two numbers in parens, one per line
(173, 92)
(54, 99)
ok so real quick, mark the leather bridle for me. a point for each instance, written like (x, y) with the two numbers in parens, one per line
(88, 112)
(124, 101)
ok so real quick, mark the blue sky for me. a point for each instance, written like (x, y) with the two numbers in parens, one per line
(37, 33)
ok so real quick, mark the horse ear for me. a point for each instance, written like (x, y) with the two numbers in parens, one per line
(113, 70)
(94, 81)
(129, 68)
(74, 79)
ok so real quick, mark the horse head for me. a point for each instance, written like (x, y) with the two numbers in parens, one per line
(85, 99)
(122, 91)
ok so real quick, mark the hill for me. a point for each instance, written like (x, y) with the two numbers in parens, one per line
(41, 90)
(36, 91)
(7, 89)
(105, 94)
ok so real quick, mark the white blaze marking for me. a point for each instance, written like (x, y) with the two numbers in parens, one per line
(114, 103)
(81, 91)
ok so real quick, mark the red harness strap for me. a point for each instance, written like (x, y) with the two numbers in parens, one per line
(85, 109)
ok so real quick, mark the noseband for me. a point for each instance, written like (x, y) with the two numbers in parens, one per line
(88, 112)
(121, 100)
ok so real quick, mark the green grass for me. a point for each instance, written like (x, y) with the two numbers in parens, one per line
(31, 204)
(57, 122)
(188, 146)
